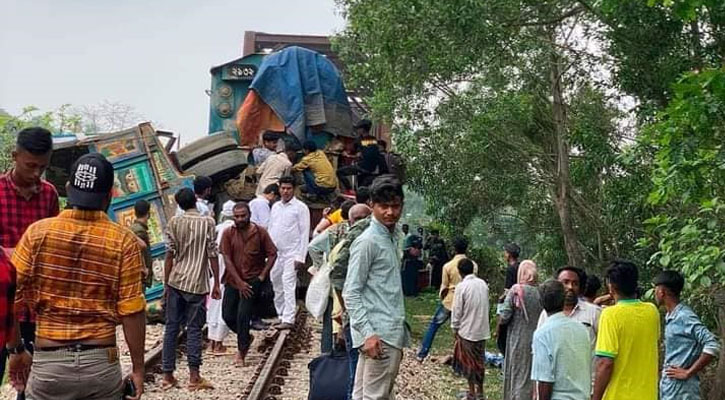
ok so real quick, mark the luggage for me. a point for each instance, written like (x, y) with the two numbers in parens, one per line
(329, 375)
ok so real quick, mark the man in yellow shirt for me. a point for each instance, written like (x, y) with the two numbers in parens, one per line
(627, 352)
(450, 278)
(320, 177)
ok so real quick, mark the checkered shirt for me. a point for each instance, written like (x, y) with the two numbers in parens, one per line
(18, 213)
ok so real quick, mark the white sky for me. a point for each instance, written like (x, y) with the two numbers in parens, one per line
(153, 55)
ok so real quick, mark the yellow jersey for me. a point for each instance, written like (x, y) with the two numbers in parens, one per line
(629, 334)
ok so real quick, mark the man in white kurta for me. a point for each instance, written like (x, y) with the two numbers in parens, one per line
(218, 330)
(260, 207)
(289, 227)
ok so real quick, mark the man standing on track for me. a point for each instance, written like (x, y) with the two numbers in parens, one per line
(190, 250)
(81, 274)
(26, 198)
(249, 255)
(373, 295)
(289, 227)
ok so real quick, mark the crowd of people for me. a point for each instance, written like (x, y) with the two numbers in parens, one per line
(359, 162)
(72, 276)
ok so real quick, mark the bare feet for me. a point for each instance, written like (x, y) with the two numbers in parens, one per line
(218, 348)
(239, 359)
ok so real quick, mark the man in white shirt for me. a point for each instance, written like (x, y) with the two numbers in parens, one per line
(202, 190)
(276, 166)
(574, 279)
(469, 321)
(289, 227)
(261, 205)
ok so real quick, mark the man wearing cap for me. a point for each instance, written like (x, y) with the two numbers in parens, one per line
(26, 198)
(269, 142)
(80, 273)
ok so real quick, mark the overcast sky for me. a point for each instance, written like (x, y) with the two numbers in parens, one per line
(154, 55)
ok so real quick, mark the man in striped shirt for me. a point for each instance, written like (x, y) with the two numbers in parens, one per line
(191, 251)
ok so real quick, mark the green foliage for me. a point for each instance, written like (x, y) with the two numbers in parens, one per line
(59, 120)
(689, 182)
(467, 88)
(653, 42)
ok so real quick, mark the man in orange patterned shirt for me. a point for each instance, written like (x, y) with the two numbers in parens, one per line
(81, 274)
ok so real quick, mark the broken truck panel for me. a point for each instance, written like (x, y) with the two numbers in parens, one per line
(143, 170)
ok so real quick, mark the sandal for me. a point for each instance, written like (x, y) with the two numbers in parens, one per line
(203, 384)
(166, 385)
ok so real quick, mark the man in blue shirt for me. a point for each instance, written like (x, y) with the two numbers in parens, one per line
(689, 346)
(561, 348)
(374, 296)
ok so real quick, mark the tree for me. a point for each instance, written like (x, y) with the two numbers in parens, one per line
(63, 119)
(108, 116)
(494, 103)
(689, 194)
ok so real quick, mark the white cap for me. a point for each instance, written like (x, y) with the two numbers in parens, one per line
(228, 208)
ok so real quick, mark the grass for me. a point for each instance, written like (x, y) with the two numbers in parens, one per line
(419, 310)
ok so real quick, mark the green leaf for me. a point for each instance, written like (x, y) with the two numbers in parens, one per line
(720, 267)
(665, 260)
(705, 281)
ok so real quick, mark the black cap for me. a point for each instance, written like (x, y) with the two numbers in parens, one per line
(90, 179)
(364, 124)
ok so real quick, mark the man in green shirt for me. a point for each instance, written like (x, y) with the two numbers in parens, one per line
(374, 296)
(140, 228)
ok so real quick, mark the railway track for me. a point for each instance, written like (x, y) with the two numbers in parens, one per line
(275, 368)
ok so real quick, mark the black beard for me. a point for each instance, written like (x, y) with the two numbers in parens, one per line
(570, 298)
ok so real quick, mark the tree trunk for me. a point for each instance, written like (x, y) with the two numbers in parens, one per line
(696, 38)
(718, 387)
(563, 176)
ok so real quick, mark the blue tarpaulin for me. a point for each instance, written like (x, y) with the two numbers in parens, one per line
(305, 90)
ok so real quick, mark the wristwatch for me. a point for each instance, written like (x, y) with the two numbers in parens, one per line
(19, 349)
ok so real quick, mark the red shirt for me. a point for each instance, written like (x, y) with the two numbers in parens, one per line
(7, 298)
(248, 250)
(17, 213)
